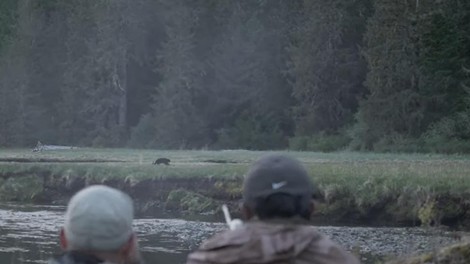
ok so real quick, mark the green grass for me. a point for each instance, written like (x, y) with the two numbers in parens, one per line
(369, 176)
(439, 172)
(405, 186)
(136, 155)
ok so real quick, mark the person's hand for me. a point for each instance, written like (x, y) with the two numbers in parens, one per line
(235, 224)
(232, 223)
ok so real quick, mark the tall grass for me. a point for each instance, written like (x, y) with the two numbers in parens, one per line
(408, 186)
(350, 169)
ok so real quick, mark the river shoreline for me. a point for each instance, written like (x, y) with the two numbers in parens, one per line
(31, 229)
(204, 196)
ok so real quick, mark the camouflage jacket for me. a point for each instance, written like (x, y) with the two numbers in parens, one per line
(74, 257)
(277, 242)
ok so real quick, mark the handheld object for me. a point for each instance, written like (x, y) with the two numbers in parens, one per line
(232, 224)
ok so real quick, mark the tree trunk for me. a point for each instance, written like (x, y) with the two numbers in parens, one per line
(121, 83)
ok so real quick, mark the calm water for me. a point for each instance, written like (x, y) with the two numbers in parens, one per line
(29, 234)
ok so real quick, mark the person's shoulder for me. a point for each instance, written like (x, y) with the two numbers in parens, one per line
(226, 238)
(52, 261)
(59, 259)
(75, 258)
(226, 246)
(331, 251)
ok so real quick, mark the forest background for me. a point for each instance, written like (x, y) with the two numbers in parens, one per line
(384, 75)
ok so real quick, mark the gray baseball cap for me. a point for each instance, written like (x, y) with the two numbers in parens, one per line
(99, 218)
(275, 173)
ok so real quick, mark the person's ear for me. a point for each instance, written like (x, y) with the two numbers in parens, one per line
(127, 248)
(130, 251)
(246, 212)
(63, 239)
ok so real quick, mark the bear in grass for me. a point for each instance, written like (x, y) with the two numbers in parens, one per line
(161, 161)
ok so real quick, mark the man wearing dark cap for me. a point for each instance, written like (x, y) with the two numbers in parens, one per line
(277, 205)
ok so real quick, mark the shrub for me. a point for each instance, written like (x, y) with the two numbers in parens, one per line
(449, 135)
(398, 143)
(319, 142)
(253, 133)
(299, 143)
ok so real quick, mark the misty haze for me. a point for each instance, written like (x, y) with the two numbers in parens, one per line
(172, 101)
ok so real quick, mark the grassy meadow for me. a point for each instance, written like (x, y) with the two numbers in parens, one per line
(409, 187)
(357, 170)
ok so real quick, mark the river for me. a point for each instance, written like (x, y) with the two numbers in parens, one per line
(29, 234)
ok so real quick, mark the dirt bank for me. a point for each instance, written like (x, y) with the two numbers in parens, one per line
(194, 195)
(204, 195)
(454, 254)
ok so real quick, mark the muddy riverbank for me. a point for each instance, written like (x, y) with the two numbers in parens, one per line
(204, 195)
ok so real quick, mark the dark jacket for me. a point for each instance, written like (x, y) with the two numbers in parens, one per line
(74, 257)
(275, 242)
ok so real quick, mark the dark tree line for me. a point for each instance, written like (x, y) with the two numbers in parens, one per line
(382, 75)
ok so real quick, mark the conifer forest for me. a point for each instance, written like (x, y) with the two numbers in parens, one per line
(313, 75)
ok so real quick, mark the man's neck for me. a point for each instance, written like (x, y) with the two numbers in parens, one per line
(94, 257)
(296, 220)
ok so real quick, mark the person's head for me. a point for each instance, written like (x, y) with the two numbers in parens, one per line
(277, 186)
(98, 221)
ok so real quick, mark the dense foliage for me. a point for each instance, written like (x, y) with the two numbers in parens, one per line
(308, 75)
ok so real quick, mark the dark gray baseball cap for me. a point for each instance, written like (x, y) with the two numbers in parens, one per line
(275, 173)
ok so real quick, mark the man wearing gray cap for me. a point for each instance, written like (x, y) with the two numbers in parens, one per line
(98, 228)
(277, 204)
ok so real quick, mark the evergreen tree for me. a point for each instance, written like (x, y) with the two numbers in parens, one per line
(106, 105)
(248, 97)
(22, 112)
(326, 65)
(178, 122)
(394, 105)
(7, 24)
(74, 125)
(445, 61)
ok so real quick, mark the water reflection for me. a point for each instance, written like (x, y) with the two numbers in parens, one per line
(29, 234)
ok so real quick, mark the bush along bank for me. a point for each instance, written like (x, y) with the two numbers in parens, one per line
(454, 254)
(372, 204)
(183, 195)
(402, 207)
